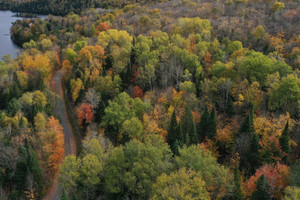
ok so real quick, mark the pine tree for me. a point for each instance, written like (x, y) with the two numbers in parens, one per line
(187, 140)
(253, 154)
(203, 125)
(229, 108)
(174, 134)
(237, 192)
(249, 157)
(212, 126)
(133, 53)
(64, 196)
(247, 126)
(33, 165)
(262, 189)
(19, 178)
(188, 126)
(284, 142)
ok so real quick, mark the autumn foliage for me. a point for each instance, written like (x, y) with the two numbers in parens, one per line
(84, 114)
(57, 147)
(137, 92)
(277, 176)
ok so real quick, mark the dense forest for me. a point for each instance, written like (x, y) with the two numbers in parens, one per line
(182, 99)
(63, 7)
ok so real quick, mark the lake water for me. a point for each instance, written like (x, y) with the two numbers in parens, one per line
(6, 44)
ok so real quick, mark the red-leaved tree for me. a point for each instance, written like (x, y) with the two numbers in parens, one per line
(137, 92)
(277, 176)
(84, 114)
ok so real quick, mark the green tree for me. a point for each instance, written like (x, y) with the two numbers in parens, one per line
(93, 147)
(284, 141)
(71, 55)
(119, 44)
(131, 170)
(69, 174)
(253, 154)
(229, 107)
(122, 108)
(181, 184)
(237, 192)
(204, 124)
(34, 166)
(286, 95)
(19, 177)
(262, 189)
(132, 128)
(295, 174)
(89, 171)
(212, 128)
(234, 46)
(277, 6)
(247, 126)
(256, 66)
(64, 196)
(189, 127)
(186, 26)
(201, 161)
(174, 137)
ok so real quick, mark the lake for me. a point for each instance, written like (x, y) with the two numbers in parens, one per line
(6, 44)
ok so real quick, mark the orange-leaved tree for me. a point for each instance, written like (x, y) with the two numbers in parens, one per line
(84, 114)
(277, 176)
(57, 145)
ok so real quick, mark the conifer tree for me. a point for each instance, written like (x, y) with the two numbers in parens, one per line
(249, 157)
(203, 125)
(253, 154)
(237, 192)
(64, 196)
(187, 139)
(229, 108)
(262, 189)
(19, 177)
(33, 165)
(247, 126)
(189, 127)
(284, 142)
(174, 134)
(133, 53)
(212, 126)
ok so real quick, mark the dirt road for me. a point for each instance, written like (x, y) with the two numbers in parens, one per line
(70, 146)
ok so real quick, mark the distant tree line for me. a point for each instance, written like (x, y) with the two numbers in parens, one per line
(62, 7)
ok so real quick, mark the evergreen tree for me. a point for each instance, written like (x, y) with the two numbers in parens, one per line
(229, 108)
(252, 155)
(247, 126)
(19, 178)
(189, 127)
(33, 165)
(203, 125)
(237, 192)
(133, 54)
(284, 142)
(212, 126)
(187, 139)
(174, 134)
(262, 189)
(249, 157)
(64, 196)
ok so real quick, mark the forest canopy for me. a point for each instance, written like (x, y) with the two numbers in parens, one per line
(166, 99)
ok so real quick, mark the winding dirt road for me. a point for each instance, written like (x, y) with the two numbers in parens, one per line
(54, 192)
